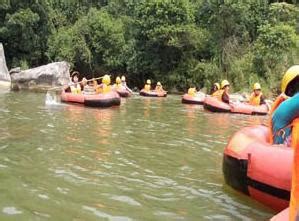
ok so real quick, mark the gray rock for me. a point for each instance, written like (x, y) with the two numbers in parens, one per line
(4, 75)
(41, 78)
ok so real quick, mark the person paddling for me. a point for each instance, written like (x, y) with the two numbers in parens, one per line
(257, 98)
(105, 86)
(75, 85)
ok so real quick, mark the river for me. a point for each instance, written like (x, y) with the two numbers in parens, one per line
(149, 159)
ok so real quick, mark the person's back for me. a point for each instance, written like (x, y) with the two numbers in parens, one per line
(105, 86)
(89, 88)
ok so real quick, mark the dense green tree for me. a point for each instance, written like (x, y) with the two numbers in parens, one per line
(181, 43)
(95, 41)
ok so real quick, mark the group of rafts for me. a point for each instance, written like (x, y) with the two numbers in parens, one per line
(252, 162)
(219, 101)
(92, 94)
(261, 161)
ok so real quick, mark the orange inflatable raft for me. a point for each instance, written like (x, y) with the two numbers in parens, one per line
(282, 216)
(123, 92)
(95, 100)
(255, 167)
(153, 93)
(197, 99)
(214, 105)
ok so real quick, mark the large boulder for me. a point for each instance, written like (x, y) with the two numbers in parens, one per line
(4, 75)
(41, 78)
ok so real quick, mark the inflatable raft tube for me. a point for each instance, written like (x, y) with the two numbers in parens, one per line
(214, 105)
(123, 92)
(282, 216)
(197, 99)
(255, 167)
(245, 108)
(153, 93)
(96, 100)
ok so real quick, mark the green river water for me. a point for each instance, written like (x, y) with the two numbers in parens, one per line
(149, 159)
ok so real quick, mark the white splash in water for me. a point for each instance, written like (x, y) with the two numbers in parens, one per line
(51, 99)
(11, 211)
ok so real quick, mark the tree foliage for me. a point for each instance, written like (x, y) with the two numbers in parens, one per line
(181, 43)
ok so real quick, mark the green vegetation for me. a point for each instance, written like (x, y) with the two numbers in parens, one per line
(177, 42)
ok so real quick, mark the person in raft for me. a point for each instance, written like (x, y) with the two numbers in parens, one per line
(123, 81)
(124, 84)
(159, 87)
(286, 107)
(215, 88)
(105, 86)
(284, 128)
(74, 86)
(223, 94)
(147, 86)
(192, 91)
(257, 98)
(89, 87)
(118, 83)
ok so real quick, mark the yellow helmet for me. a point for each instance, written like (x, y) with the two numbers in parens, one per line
(117, 80)
(159, 83)
(106, 79)
(290, 75)
(224, 83)
(217, 85)
(123, 78)
(148, 81)
(257, 86)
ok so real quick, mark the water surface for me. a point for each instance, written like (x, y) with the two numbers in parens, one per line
(149, 159)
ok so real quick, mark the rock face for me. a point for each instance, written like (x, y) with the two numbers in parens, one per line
(4, 75)
(41, 78)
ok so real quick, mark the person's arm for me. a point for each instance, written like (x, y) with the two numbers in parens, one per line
(225, 98)
(262, 100)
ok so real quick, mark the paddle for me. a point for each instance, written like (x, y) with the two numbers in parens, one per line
(60, 87)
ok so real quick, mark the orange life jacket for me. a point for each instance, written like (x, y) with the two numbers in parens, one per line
(76, 89)
(103, 88)
(275, 105)
(117, 86)
(218, 94)
(192, 91)
(255, 100)
(294, 202)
